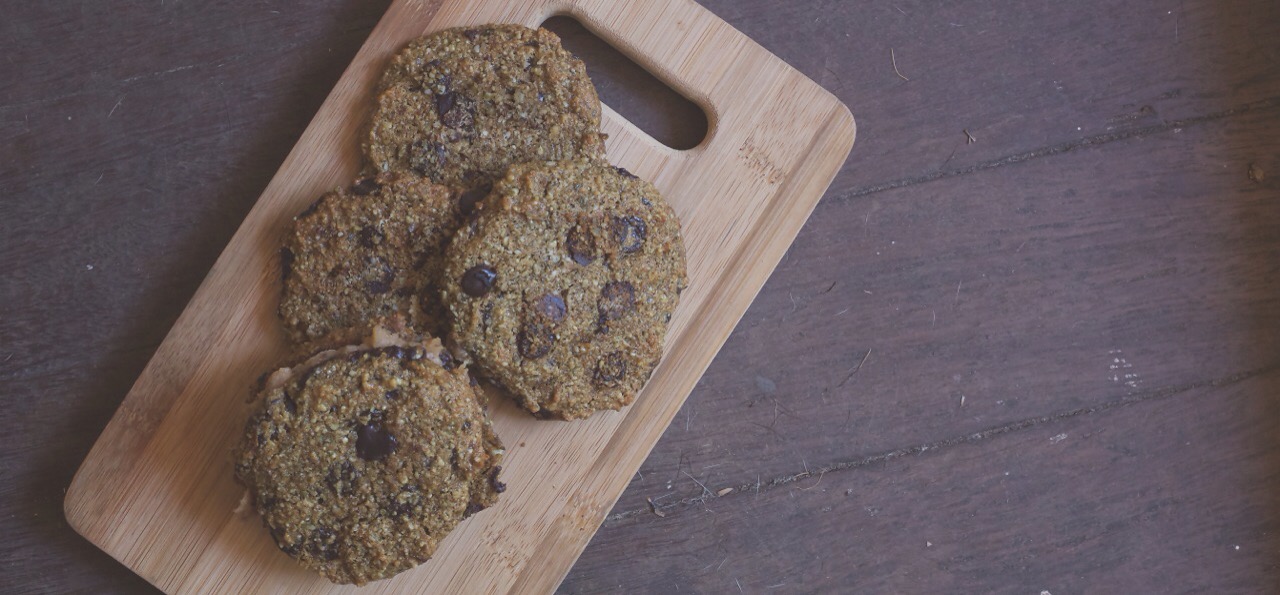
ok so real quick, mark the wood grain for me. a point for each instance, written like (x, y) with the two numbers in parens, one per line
(156, 492)
(136, 136)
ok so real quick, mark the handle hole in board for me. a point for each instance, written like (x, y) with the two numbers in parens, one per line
(660, 111)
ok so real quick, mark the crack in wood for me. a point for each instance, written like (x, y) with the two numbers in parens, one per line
(1089, 141)
(757, 486)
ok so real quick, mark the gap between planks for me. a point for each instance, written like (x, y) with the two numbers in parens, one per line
(757, 486)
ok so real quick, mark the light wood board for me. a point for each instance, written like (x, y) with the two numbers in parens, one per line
(156, 492)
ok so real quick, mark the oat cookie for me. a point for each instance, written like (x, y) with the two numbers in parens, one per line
(363, 458)
(461, 105)
(368, 251)
(562, 287)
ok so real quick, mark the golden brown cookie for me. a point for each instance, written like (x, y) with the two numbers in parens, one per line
(363, 458)
(364, 252)
(461, 105)
(562, 287)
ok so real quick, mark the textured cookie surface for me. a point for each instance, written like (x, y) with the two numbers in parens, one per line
(563, 286)
(360, 464)
(461, 105)
(364, 252)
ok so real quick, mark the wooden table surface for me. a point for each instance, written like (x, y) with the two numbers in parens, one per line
(1029, 342)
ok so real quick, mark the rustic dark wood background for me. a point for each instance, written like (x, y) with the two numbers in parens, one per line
(1028, 342)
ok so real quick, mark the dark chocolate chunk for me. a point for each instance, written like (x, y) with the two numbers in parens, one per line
(365, 186)
(444, 103)
(378, 277)
(478, 280)
(455, 111)
(323, 544)
(472, 508)
(373, 441)
(342, 478)
(535, 340)
(468, 200)
(610, 369)
(550, 306)
(498, 486)
(581, 245)
(625, 173)
(426, 158)
(616, 299)
(370, 236)
(630, 232)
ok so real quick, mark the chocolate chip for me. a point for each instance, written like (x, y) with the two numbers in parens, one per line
(550, 306)
(625, 173)
(535, 340)
(392, 394)
(544, 414)
(373, 441)
(289, 404)
(472, 508)
(342, 478)
(581, 245)
(446, 360)
(460, 113)
(468, 200)
(478, 280)
(444, 103)
(630, 232)
(426, 158)
(610, 369)
(286, 263)
(471, 34)
(434, 62)
(382, 282)
(393, 351)
(323, 544)
(370, 236)
(498, 486)
(616, 299)
(365, 187)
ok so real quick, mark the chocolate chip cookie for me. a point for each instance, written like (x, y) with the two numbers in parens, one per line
(562, 287)
(363, 458)
(461, 105)
(368, 251)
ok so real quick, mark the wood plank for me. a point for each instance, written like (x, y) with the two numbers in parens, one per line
(1172, 494)
(156, 492)
(1063, 283)
(182, 166)
(1022, 78)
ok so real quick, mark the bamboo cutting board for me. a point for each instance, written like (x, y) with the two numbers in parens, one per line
(156, 492)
